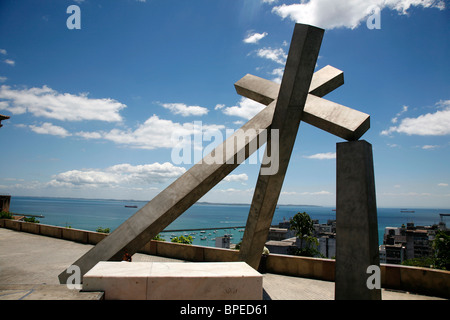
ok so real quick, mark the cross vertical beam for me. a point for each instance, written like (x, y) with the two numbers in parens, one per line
(294, 89)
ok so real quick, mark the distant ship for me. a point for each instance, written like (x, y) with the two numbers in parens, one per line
(405, 210)
(130, 206)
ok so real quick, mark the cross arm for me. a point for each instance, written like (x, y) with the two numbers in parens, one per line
(265, 91)
(334, 118)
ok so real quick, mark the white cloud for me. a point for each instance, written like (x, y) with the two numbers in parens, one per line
(3, 51)
(330, 14)
(119, 174)
(278, 55)
(395, 119)
(89, 135)
(322, 156)
(3, 79)
(48, 128)
(246, 109)
(443, 184)
(153, 133)
(255, 37)
(269, 1)
(278, 73)
(10, 62)
(233, 190)
(430, 124)
(236, 178)
(219, 106)
(316, 193)
(48, 103)
(429, 146)
(184, 110)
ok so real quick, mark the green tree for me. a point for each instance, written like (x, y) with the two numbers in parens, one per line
(183, 239)
(158, 238)
(5, 215)
(441, 246)
(31, 219)
(302, 224)
(102, 230)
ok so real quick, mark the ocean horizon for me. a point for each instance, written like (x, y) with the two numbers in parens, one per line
(215, 219)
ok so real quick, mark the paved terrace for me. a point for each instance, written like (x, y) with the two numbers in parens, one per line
(30, 264)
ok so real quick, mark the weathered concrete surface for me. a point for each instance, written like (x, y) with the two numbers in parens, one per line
(356, 221)
(30, 261)
(174, 281)
(45, 292)
(168, 205)
(294, 89)
(329, 116)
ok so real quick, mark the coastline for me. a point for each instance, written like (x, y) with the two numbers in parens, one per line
(90, 214)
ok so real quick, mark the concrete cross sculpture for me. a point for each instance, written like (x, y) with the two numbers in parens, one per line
(297, 98)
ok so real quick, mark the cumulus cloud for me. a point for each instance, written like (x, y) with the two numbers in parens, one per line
(255, 37)
(10, 62)
(118, 175)
(429, 124)
(153, 133)
(395, 119)
(48, 103)
(322, 156)
(315, 193)
(184, 110)
(48, 128)
(246, 109)
(236, 178)
(429, 146)
(275, 54)
(330, 14)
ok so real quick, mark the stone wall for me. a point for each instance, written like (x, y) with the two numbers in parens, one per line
(412, 279)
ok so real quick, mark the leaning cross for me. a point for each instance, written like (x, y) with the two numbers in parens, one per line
(169, 204)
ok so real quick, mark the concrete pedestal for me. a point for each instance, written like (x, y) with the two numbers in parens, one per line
(356, 221)
(174, 281)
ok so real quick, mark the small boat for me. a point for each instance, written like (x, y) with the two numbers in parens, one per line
(130, 206)
(204, 238)
(412, 211)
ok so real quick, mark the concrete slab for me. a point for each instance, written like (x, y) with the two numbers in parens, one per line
(175, 281)
(45, 292)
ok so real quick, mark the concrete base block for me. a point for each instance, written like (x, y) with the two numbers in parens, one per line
(174, 281)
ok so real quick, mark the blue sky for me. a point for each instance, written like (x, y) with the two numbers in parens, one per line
(93, 109)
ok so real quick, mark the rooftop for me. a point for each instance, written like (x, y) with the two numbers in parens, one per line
(30, 264)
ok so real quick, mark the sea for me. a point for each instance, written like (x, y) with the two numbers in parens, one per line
(209, 220)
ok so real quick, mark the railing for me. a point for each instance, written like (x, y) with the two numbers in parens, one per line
(425, 281)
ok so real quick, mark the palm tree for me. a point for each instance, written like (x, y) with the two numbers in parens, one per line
(302, 224)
